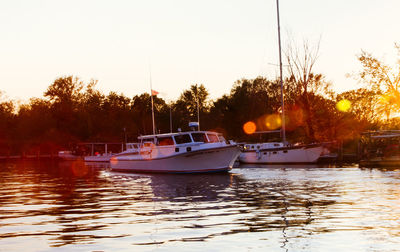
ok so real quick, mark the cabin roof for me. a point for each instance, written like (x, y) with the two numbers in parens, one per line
(176, 134)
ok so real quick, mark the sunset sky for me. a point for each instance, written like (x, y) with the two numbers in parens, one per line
(213, 42)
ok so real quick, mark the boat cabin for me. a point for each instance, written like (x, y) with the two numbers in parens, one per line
(381, 144)
(181, 138)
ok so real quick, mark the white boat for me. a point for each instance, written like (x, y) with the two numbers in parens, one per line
(181, 152)
(68, 155)
(280, 153)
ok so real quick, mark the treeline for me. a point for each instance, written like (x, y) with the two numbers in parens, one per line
(72, 111)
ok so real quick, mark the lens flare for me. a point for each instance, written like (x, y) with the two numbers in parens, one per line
(273, 122)
(343, 105)
(249, 128)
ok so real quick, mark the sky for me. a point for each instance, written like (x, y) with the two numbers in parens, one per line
(122, 43)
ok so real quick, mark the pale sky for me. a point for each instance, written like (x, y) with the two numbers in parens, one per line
(213, 42)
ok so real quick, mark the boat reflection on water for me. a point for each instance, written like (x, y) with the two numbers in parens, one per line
(79, 207)
(183, 187)
(233, 203)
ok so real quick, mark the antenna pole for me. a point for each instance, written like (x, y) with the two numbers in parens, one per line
(281, 80)
(170, 117)
(198, 110)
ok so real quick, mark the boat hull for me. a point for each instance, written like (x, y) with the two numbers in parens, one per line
(288, 155)
(207, 160)
(103, 158)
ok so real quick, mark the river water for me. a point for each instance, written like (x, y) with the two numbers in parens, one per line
(70, 206)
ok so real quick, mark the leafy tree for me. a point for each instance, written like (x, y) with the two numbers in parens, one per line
(382, 79)
(185, 108)
(305, 82)
(7, 123)
(364, 104)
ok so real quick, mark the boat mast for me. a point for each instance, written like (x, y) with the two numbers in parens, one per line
(152, 104)
(281, 80)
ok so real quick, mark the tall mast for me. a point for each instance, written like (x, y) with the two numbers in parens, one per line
(152, 104)
(281, 80)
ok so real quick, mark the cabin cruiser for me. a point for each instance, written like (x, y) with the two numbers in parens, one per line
(280, 153)
(181, 152)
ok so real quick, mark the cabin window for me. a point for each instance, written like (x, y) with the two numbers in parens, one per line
(199, 137)
(162, 141)
(221, 138)
(181, 139)
(213, 138)
(147, 144)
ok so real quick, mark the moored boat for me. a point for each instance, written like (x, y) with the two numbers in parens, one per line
(280, 153)
(181, 152)
(380, 149)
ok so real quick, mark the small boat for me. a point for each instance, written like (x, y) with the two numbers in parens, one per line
(280, 153)
(380, 149)
(67, 155)
(181, 152)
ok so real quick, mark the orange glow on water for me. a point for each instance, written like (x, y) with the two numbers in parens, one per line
(249, 127)
(273, 122)
(79, 169)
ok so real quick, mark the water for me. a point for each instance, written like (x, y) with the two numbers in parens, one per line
(73, 207)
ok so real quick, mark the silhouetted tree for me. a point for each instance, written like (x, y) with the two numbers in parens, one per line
(383, 80)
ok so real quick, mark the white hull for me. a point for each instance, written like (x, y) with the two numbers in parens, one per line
(203, 160)
(68, 156)
(296, 154)
(100, 158)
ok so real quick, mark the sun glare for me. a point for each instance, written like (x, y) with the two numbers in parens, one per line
(343, 105)
(249, 127)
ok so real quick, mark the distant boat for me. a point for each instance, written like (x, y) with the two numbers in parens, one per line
(280, 152)
(67, 155)
(180, 152)
(380, 149)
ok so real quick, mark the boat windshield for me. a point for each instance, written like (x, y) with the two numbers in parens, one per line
(147, 142)
(213, 138)
(199, 137)
(221, 138)
(184, 138)
(162, 141)
(132, 146)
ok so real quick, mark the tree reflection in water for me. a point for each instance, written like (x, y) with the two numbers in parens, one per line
(72, 204)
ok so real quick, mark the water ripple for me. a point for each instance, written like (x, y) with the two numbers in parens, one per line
(75, 206)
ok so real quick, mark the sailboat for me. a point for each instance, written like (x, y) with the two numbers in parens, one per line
(280, 152)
